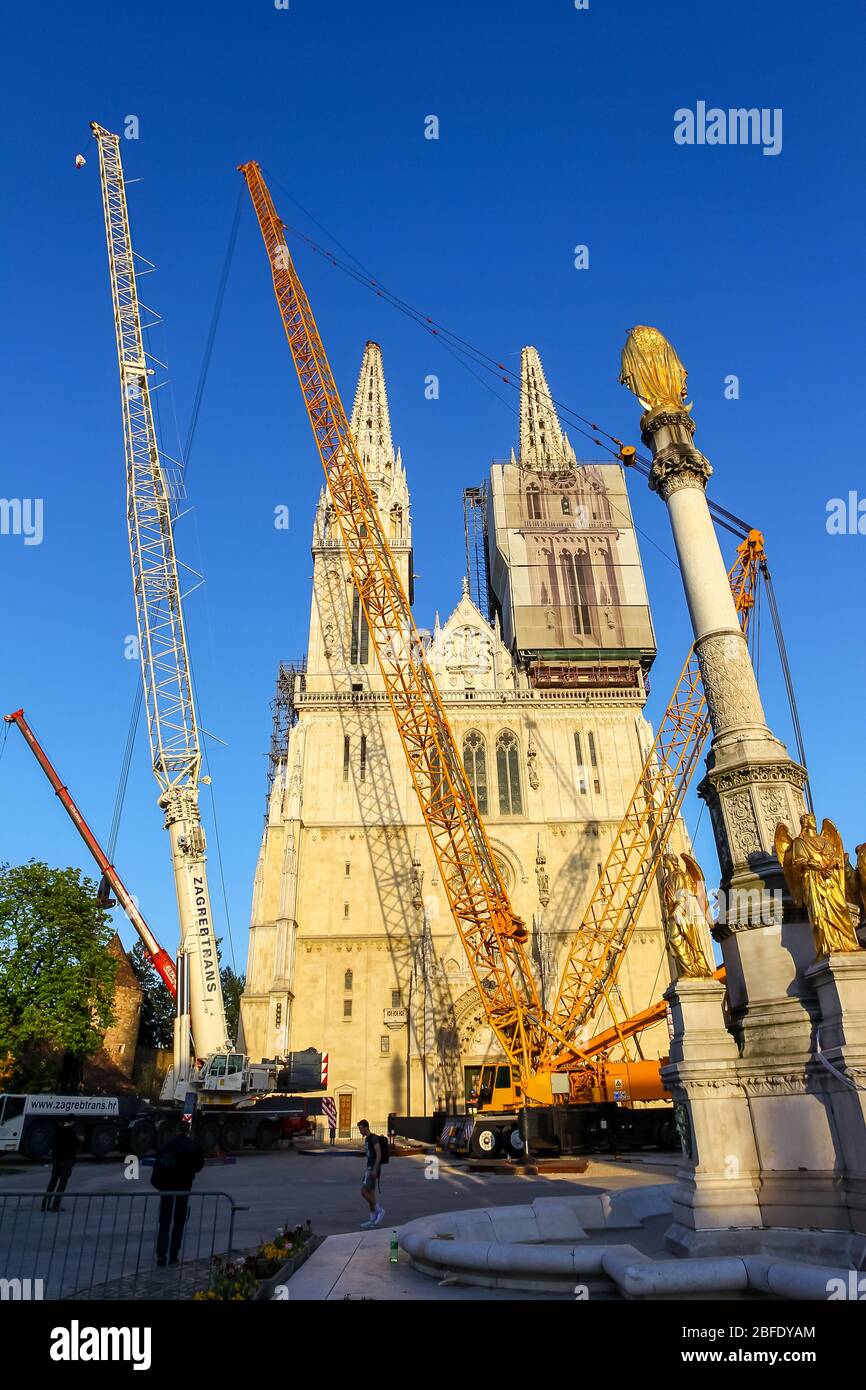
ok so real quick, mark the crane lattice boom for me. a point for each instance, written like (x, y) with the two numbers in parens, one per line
(171, 718)
(614, 908)
(493, 936)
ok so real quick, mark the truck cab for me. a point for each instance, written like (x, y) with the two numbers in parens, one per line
(11, 1122)
(497, 1090)
(231, 1072)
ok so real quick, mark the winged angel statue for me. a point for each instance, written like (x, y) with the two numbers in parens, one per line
(814, 869)
(686, 911)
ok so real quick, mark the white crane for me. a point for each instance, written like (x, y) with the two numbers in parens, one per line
(171, 717)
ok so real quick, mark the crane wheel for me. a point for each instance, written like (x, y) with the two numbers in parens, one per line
(513, 1144)
(266, 1135)
(209, 1136)
(231, 1137)
(39, 1139)
(142, 1137)
(102, 1139)
(486, 1141)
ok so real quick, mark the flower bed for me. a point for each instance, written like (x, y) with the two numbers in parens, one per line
(253, 1276)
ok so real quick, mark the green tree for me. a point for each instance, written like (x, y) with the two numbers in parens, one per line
(233, 988)
(56, 973)
(156, 1027)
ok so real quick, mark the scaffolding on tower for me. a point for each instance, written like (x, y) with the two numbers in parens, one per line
(291, 680)
(477, 555)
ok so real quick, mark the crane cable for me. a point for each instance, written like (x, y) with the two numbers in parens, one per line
(725, 518)
(453, 342)
(786, 673)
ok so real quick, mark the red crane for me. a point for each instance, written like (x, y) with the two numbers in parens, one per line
(162, 961)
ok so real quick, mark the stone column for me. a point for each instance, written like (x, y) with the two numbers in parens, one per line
(717, 1185)
(751, 782)
(751, 785)
(840, 981)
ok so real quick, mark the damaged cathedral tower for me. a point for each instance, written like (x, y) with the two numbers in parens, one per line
(352, 946)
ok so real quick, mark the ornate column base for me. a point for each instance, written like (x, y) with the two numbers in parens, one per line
(716, 1184)
(773, 1009)
(840, 983)
(775, 1015)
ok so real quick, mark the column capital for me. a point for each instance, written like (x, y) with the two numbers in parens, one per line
(678, 465)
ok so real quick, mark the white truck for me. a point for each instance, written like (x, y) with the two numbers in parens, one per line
(130, 1125)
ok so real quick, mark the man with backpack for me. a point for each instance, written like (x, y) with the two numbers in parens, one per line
(65, 1151)
(376, 1153)
(174, 1169)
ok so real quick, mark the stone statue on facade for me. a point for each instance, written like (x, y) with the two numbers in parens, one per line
(542, 876)
(814, 869)
(684, 905)
(652, 370)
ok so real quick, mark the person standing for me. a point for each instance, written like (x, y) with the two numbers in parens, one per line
(65, 1152)
(373, 1157)
(329, 1110)
(173, 1174)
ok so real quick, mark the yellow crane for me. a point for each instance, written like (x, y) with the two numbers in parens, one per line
(545, 1064)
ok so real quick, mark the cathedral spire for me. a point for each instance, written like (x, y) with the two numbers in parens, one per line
(542, 442)
(371, 423)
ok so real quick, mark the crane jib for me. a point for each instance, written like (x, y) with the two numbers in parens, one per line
(491, 933)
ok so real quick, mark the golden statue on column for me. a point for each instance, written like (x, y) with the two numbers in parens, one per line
(814, 869)
(685, 910)
(652, 370)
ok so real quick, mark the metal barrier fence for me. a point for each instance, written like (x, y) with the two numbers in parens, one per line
(103, 1245)
(353, 1140)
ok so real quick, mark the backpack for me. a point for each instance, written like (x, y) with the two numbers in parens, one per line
(162, 1174)
(384, 1148)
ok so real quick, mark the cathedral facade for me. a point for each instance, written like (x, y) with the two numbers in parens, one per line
(353, 949)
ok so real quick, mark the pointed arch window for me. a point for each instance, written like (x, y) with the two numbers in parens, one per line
(475, 763)
(508, 774)
(575, 598)
(533, 502)
(360, 634)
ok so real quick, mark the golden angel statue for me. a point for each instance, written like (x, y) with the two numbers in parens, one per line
(852, 885)
(652, 370)
(860, 851)
(686, 911)
(814, 869)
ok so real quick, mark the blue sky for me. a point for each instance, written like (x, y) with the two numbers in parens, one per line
(556, 129)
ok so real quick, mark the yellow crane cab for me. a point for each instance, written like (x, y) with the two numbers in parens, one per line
(497, 1090)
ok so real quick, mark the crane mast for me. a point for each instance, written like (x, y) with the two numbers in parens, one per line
(171, 718)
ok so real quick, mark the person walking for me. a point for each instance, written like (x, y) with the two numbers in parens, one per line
(375, 1151)
(173, 1174)
(65, 1152)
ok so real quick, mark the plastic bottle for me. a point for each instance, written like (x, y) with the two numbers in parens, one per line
(394, 1247)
